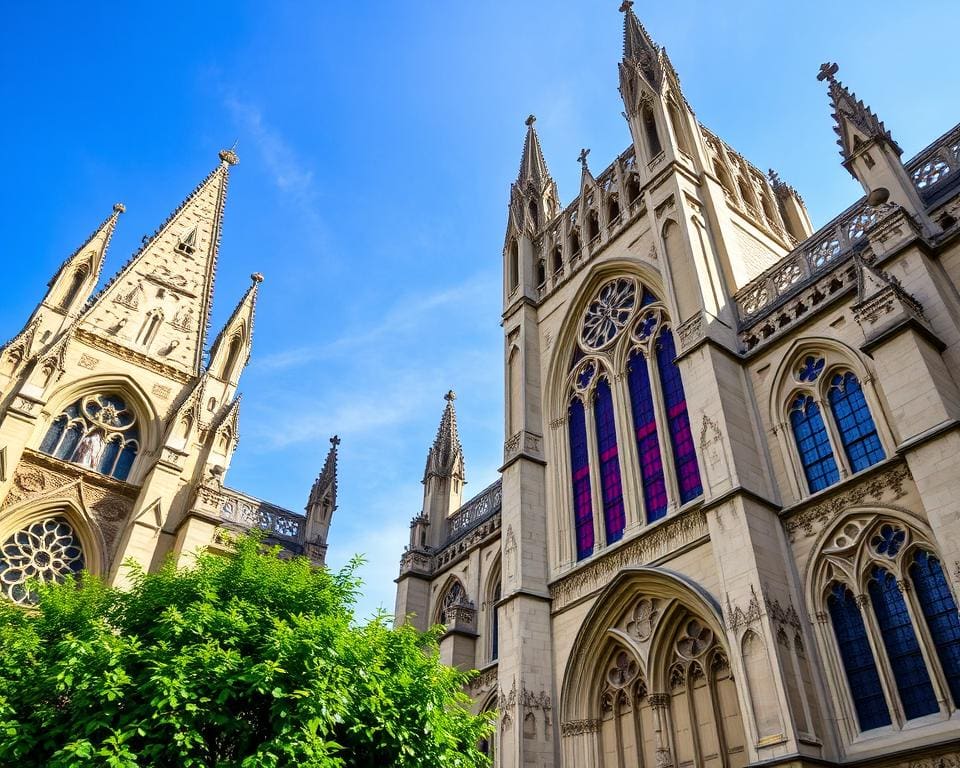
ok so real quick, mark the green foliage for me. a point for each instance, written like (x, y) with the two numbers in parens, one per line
(245, 661)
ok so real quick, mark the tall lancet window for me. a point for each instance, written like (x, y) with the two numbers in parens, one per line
(580, 466)
(678, 420)
(857, 431)
(625, 354)
(611, 488)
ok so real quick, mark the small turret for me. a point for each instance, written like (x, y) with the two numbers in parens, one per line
(230, 351)
(321, 505)
(443, 476)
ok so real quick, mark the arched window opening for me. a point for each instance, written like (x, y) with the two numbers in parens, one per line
(495, 629)
(940, 614)
(233, 356)
(900, 642)
(855, 425)
(556, 260)
(633, 189)
(98, 432)
(580, 468)
(611, 487)
(513, 266)
(678, 420)
(454, 598)
(768, 208)
(593, 226)
(650, 131)
(857, 659)
(151, 324)
(745, 193)
(723, 177)
(574, 242)
(46, 550)
(79, 276)
(541, 272)
(613, 209)
(534, 214)
(813, 444)
(676, 121)
(648, 444)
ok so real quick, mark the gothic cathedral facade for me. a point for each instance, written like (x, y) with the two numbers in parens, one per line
(117, 424)
(727, 526)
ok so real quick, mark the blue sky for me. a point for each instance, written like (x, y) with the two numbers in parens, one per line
(377, 143)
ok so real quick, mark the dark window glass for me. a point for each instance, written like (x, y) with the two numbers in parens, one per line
(610, 486)
(857, 431)
(580, 469)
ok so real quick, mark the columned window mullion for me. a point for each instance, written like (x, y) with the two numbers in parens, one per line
(663, 435)
(632, 485)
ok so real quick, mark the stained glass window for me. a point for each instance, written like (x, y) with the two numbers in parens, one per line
(648, 446)
(98, 432)
(611, 488)
(495, 649)
(678, 421)
(857, 658)
(47, 550)
(900, 641)
(857, 431)
(580, 469)
(940, 612)
(819, 466)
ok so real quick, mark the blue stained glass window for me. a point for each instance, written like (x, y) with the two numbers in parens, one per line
(858, 662)
(678, 421)
(854, 422)
(495, 650)
(648, 446)
(888, 541)
(580, 470)
(900, 641)
(811, 368)
(611, 488)
(940, 611)
(819, 466)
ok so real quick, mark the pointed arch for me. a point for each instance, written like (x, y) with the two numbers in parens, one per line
(234, 350)
(452, 594)
(650, 132)
(513, 266)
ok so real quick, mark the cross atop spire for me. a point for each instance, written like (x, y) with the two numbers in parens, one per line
(855, 122)
(582, 158)
(445, 458)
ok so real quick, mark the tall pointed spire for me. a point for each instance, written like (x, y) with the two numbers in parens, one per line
(73, 283)
(638, 47)
(855, 122)
(445, 458)
(326, 481)
(230, 351)
(158, 304)
(532, 165)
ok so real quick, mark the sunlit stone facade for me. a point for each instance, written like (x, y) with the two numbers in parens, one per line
(727, 527)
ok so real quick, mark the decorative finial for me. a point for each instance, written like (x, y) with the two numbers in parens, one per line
(119, 207)
(582, 159)
(450, 396)
(626, 5)
(531, 119)
(229, 157)
(335, 441)
(257, 277)
(828, 71)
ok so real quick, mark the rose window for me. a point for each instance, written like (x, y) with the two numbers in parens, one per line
(609, 313)
(44, 551)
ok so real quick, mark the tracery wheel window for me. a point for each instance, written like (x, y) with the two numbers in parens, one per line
(99, 432)
(834, 432)
(626, 326)
(46, 550)
(895, 626)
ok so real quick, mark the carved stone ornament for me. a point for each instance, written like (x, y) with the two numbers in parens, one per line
(579, 727)
(484, 680)
(873, 489)
(679, 531)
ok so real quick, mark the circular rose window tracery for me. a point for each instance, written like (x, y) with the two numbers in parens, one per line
(47, 550)
(609, 313)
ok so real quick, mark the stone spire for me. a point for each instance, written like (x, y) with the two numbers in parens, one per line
(532, 165)
(639, 50)
(158, 304)
(855, 122)
(326, 482)
(445, 458)
(230, 351)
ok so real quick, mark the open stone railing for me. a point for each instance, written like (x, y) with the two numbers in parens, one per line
(474, 512)
(248, 512)
(935, 165)
(830, 245)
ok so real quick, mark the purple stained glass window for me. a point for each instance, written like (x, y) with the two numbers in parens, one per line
(611, 487)
(580, 471)
(648, 446)
(678, 421)
(857, 431)
(819, 466)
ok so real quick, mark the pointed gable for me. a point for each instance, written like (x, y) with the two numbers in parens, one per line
(158, 305)
(233, 343)
(445, 458)
(854, 122)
